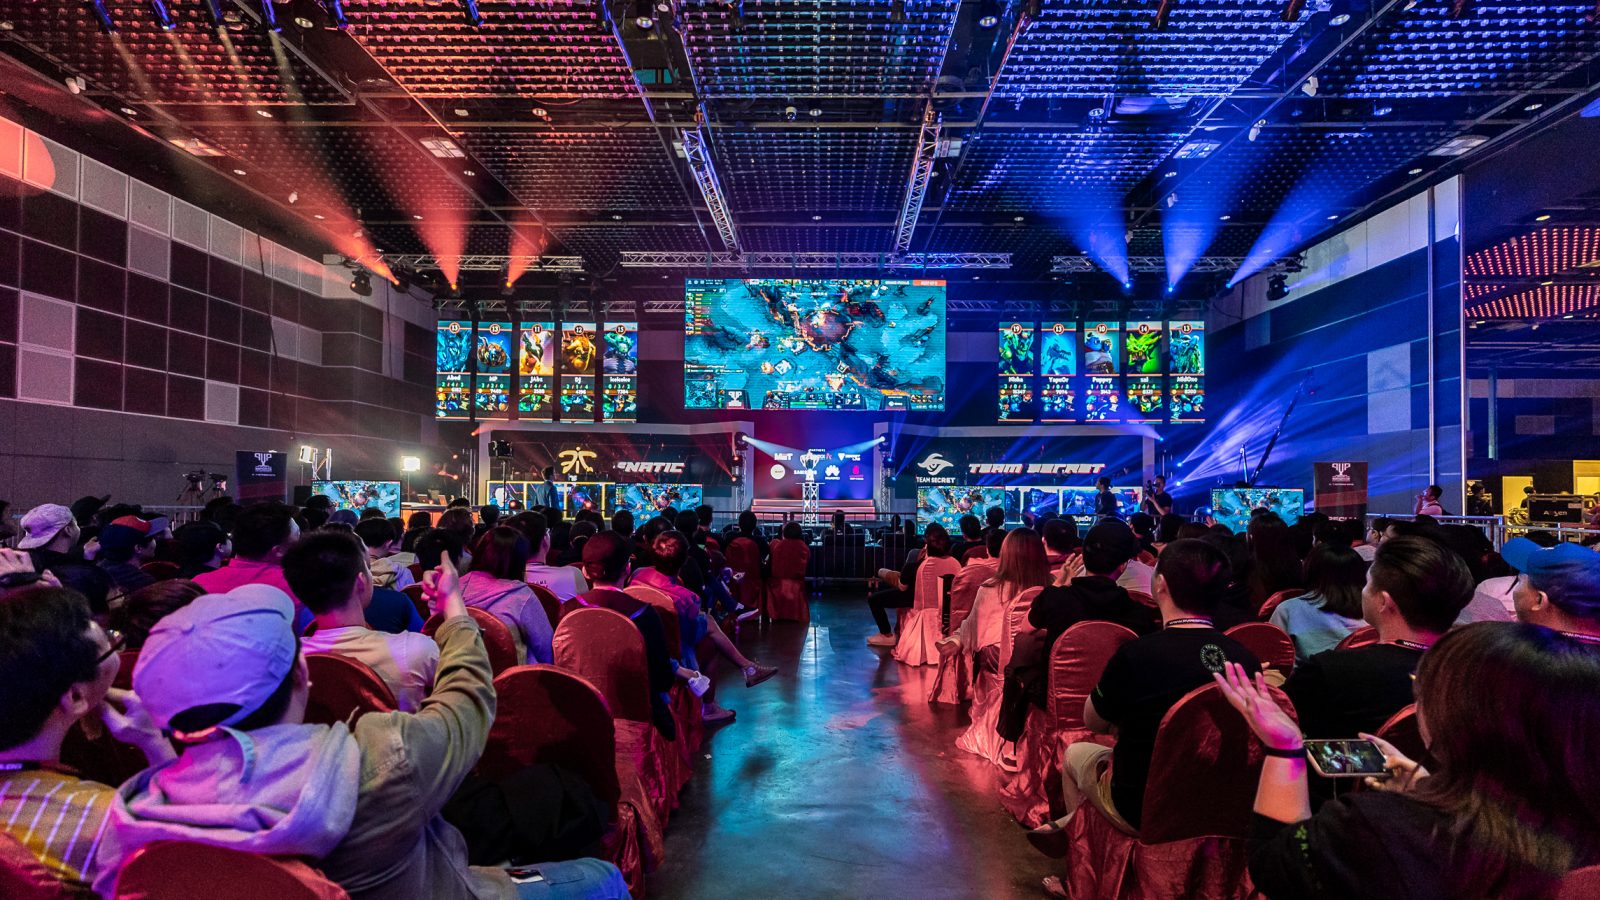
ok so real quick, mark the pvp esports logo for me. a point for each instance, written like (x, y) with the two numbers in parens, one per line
(935, 464)
(263, 463)
(576, 461)
(1339, 472)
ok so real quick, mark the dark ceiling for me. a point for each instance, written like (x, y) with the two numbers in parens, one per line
(563, 125)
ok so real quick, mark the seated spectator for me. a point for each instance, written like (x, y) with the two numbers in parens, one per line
(1144, 529)
(1060, 541)
(971, 536)
(437, 544)
(225, 674)
(1091, 593)
(1167, 530)
(1512, 713)
(750, 527)
(457, 520)
(141, 610)
(1559, 587)
(670, 551)
(1141, 682)
(565, 582)
(125, 545)
(622, 522)
(935, 545)
(262, 534)
(607, 562)
(417, 524)
(1317, 621)
(57, 666)
(1136, 575)
(488, 517)
(838, 527)
(50, 535)
(1415, 589)
(1274, 561)
(964, 587)
(378, 536)
(582, 529)
(330, 574)
(202, 547)
(494, 584)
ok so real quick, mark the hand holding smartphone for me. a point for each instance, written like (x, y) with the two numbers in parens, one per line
(1346, 759)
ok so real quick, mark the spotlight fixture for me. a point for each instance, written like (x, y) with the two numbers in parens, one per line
(336, 14)
(410, 464)
(1255, 130)
(1340, 19)
(269, 16)
(163, 15)
(107, 24)
(361, 283)
(294, 197)
(469, 8)
(1414, 172)
(644, 15)
(1542, 218)
(1311, 86)
(989, 13)
(308, 454)
(1277, 287)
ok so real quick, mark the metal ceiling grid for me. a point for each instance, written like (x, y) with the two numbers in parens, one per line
(789, 48)
(843, 239)
(1543, 252)
(1012, 172)
(374, 169)
(142, 64)
(582, 172)
(1502, 47)
(814, 172)
(1552, 301)
(1209, 48)
(1030, 244)
(550, 49)
(602, 245)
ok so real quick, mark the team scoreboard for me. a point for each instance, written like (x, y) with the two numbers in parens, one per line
(1147, 371)
(539, 371)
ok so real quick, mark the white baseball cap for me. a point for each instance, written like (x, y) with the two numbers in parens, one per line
(41, 524)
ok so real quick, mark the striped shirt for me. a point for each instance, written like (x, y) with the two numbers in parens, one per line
(59, 818)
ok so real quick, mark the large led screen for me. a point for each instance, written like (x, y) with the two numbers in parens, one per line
(361, 495)
(946, 505)
(844, 344)
(1232, 506)
(646, 501)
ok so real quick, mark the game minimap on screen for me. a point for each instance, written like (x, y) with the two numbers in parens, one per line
(843, 344)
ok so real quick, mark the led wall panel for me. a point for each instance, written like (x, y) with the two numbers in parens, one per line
(536, 361)
(620, 362)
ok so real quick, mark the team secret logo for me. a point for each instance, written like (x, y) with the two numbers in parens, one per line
(635, 467)
(1036, 468)
(934, 464)
(576, 461)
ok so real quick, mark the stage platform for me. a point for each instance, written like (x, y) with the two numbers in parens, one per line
(770, 511)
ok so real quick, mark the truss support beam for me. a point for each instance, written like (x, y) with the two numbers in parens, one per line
(485, 262)
(921, 175)
(697, 150)
(1205, 265)
(688, 259)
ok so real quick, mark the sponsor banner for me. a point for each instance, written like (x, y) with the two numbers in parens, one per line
(260, 475)
(1340, 489)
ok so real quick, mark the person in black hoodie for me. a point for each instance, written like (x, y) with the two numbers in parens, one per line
(1094, 594)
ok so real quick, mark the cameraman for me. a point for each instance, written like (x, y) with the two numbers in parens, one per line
(1157, 502)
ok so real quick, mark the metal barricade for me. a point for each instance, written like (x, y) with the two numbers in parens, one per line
(1497, 529)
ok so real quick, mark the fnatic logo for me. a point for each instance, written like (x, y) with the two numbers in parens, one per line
(635, 467)
(576, 461)
(935, 464)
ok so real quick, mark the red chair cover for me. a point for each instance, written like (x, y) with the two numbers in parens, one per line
(550, 602)
(744, 557)
(1197, 808)
(344, 689)
(160, 569)
(1270, 644)
(1142, 598)
(24, 877)
(1016, 622)
(1033, 794)
(786, 593)
(1359, 638)
(413, 593)
(964, 591)
(1277, 599)
(497, 639)
(174, 870)
(1405, 733)
(1580, 884)
(919, 629)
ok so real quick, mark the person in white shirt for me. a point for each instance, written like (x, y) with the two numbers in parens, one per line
(1428, 502)
(329, 573)
(566, 582)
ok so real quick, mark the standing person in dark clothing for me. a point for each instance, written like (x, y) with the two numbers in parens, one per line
(1094, 595)
(1415, 589)
(1105, 502)
(1143, 680)
(1158, 502)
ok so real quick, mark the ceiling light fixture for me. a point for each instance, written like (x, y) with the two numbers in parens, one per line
(240, 172)
(461, 112)
(1227, 218)
(1533, 107)
(129, 111)
(264, 113)
(1340, 19)
(1543, 218)
(1255, 130)
(163, 15)
(416, 216)
(989, 13)
(1016, 218)
(644, 15)
(469, 173)
(1415, 172)
(304, 23)
(318, 216)
(816, 218)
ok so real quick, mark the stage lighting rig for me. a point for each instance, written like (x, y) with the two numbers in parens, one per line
(269, 16)
(361, 283)
(644, 15)
(163, 15)
(469, 8)
(989, 13)
(1277, 287)
(107, 24)
(336, 14)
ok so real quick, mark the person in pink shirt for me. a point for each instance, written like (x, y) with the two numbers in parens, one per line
(670, 551)
(262, 534)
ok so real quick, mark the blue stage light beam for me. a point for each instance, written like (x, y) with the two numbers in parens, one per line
(214, 7)
(1192, 218)
(1302, 215)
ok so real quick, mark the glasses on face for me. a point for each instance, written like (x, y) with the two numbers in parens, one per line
(116, 642)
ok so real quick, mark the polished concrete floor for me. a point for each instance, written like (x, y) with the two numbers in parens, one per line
(839, 779)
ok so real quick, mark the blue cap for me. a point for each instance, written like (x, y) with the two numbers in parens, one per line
(1568, 573)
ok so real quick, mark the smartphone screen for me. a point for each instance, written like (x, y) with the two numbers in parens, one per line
(525, 874)
(1346, 759)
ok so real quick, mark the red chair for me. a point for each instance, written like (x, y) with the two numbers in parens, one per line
(103, 758)
(1580, 884)
(744, 558)
(604, 648)
(344, 689)
(545, 715)
(1143, 599)
(160, 569)
(1016, 623)
(413, 593)
(497, 640)
(175, 870)
(1270, 644)
(919, 630)
(1361, 637)
(1033, 794)
(24, 877)
(1196, 816)
(1405, 733)
(786, 593)
(964, 590)
(1276, 600)
(550, 602)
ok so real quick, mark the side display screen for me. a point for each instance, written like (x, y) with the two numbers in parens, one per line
(452, 365)
(620, 364)
(493, 397)
(536, 371)
(1018, 363)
